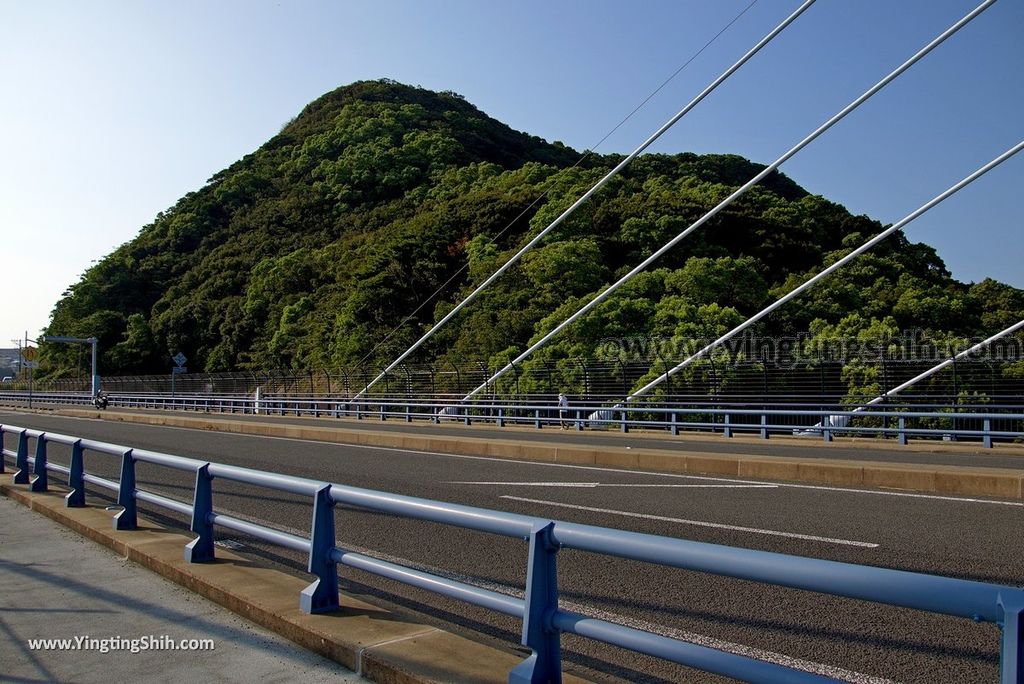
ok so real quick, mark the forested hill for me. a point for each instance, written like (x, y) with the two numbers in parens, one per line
(310, 250)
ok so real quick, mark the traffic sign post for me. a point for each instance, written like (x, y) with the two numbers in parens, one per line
(179, 360)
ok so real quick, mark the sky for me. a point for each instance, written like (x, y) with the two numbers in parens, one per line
(111, 111)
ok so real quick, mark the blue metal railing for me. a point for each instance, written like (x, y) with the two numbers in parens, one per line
(543, 620)
(985, 424)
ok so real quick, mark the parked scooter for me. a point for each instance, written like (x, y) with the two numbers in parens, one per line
(100, 401)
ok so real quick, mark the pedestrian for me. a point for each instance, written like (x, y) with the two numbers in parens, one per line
(563, 410)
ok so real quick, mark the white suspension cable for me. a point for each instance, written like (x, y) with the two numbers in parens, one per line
(738, 193)
(586, 154)
(841, 421)
(828, 271)
(597, 186)
(935, 369)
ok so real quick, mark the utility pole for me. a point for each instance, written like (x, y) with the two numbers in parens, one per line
(28, 370)
(21, 363)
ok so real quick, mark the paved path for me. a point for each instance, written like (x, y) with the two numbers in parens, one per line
(70, 587)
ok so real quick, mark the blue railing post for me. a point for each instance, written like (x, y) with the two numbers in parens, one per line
(21, 459)
(383, 413)
(200, 549)
(764, 426)
(501, 417)
(826, 432)
(465, 413)
(536, 418)
(76, 479)
(727, 427)
(322, 595)
(675, 425)
(539, 634)
(40, 482)
(127, 519)
(579, 420)
(408, 413)
(625, 423)
(901, 435)
(1011, 654)
(986, 439)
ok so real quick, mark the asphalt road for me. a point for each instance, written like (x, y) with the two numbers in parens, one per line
(866, 449)
(854, 640)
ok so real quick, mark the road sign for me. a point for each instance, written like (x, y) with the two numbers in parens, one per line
(28, 353)
(179, 369)
(179, 359)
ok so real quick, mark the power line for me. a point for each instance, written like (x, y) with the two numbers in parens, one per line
(739, 192)
(586, 154)
(828, 271)
(601, 183)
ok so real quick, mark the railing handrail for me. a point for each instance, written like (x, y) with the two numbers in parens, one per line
(978, 601)
(712, 407)
(985, 422)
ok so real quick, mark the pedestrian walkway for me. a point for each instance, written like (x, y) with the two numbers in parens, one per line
(56, 585)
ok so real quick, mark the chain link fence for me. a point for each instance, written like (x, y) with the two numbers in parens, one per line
(969, 383)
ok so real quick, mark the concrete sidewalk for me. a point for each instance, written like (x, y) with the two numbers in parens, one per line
(55, 584)
(109, 597)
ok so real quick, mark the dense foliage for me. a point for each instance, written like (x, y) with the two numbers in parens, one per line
(308, 252)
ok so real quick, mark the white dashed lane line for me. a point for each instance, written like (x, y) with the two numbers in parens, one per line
(592, 485)
(698, 523)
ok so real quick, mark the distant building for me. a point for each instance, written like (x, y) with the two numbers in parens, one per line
(10, 362)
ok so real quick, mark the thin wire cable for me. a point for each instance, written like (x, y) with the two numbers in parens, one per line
(587, 154)
(935, 369)
(739, 192)
(831, 269)
(843, 420)
(597, 186)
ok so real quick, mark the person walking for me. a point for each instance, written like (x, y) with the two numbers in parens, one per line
(563, 410)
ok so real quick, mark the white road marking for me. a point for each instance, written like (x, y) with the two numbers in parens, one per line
(698, 523)
(592, 485)
(589, 611)
(661, 630)
(692, 637)
(787, 485)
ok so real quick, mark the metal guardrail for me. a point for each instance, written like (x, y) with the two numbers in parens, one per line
(901, 422)
(543, 621)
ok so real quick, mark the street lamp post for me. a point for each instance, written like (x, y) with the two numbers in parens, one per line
(79, 340)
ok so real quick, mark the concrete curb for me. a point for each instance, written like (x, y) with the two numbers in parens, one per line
(1001, 483)
(380, 645)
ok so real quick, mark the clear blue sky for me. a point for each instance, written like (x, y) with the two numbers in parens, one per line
(111, 111)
